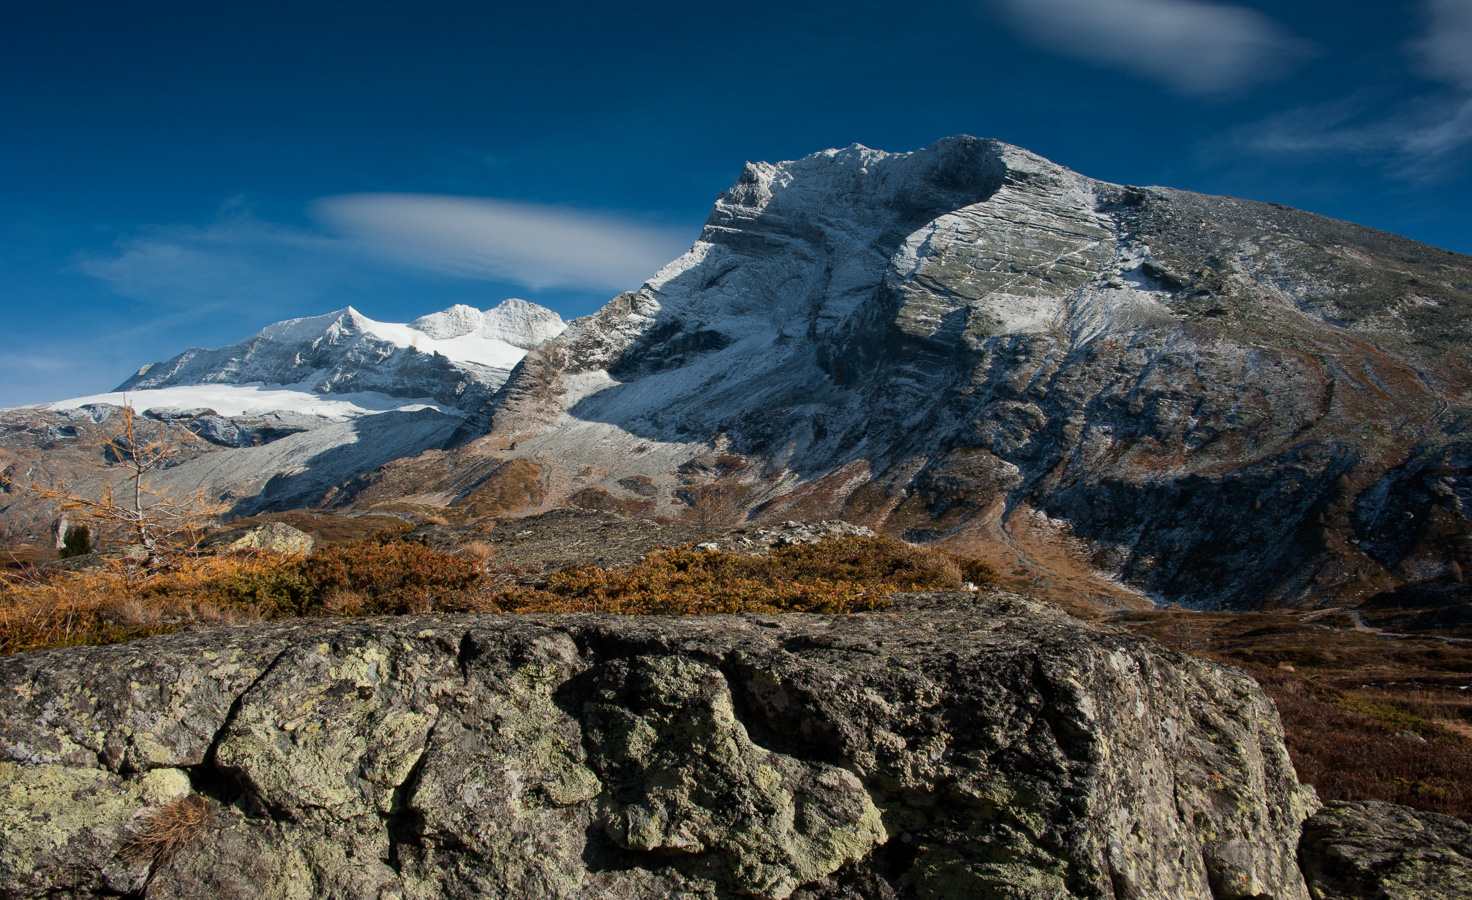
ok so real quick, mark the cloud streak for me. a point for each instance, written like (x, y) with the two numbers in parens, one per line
(1421, 136)
(534, 245)
(1445, 51)
(1190, 46)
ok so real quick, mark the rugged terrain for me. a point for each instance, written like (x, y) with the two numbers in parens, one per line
(1126, 390)
(953, 746)
(1121, 393)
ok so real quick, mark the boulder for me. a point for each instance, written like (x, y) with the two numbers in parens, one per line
(954, 746)
(1370, 850)
(276, 537)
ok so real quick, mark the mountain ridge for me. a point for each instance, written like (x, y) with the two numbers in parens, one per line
(1044, 353)
(458, 356)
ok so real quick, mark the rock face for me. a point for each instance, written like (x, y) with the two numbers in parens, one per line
(1370, 850)
(1215, 401)
(982, 748)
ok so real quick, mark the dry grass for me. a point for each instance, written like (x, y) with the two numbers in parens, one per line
(838, 576)
(478, 550)
(169, 829)
(120, 602)
(386, 577)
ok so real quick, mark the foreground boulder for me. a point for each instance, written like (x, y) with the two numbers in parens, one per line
(951, 747)
(1369, 850)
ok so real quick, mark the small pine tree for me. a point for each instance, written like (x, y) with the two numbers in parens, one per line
(162, 521)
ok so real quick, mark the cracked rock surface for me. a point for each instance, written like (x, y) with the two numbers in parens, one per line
(955, 746)
(1369, 850)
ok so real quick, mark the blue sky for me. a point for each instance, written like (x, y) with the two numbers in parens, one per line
(182, 174)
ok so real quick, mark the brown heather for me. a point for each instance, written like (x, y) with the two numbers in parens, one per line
(381, 576)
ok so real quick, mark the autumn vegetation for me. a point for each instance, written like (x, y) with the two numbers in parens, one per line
(384, 575)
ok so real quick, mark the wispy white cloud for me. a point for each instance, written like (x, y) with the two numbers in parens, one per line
(242, 262)
(1190, 46)
(1445, 50)
(1423, 132)
(534, 245)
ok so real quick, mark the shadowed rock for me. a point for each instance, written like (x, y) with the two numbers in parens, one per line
(1370, 850)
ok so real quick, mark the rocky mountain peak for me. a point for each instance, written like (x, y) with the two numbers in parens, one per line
(970, 343)
(457, 321)
(513, 321)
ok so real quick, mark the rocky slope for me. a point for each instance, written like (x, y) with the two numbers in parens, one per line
(952, 747)
(1134, 391)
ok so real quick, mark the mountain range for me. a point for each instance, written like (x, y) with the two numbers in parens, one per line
(1132, 393)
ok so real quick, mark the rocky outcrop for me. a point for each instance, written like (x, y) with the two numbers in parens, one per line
(1370, 850)
(275, 537)
(988, 747)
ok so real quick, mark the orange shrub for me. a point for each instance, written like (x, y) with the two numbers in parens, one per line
(394, 577)
(380, 576)
(839, 576)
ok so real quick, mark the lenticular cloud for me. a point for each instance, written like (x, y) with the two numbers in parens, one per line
(1192, 46)
(534, 245)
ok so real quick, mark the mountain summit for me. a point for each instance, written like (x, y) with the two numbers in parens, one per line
(1131, 389)
(458, 357)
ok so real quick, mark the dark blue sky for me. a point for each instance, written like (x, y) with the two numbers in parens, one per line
(181, 174)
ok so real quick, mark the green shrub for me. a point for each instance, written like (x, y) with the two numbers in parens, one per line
(275, 593)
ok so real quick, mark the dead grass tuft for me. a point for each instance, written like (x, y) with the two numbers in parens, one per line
(174, 827)
(480, 550)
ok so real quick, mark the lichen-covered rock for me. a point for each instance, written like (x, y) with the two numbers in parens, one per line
(278, 537)
(955, 746)
(1369, 850)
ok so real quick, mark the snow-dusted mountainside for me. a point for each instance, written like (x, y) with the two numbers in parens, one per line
(1126, 389)
(287, 415)
(456, 358)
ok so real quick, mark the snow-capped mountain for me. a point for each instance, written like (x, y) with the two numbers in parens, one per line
(1126, 391)
(1209, 400)
(337, 363)
(290, 413)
